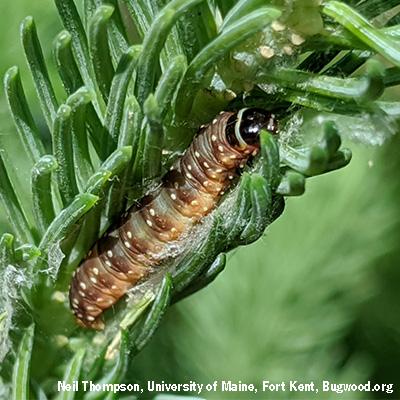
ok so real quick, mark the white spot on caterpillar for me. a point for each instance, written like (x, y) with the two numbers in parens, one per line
(233, 157)
(99, 299)
(213, 138)
(254, 153)
(194, 203)
(176, 185)
(109, 253)
(90, 318)
(220, 148)
(205, 208)
(79, 315)
(230, 177)
(82, 285)
(189, 167)
(197, 154)
(130, 272)
(114, 287)
(189, 176)
(206, 183)
(89, 308)
(108, 263)
(75, 301)
(173, 196)
(218, 170)
(215, 120)
(95, 271)
(206, 164)
(129, 233)
(82, 294)
(148, 222)
(127, 244)
(152, 212)
(93, 279)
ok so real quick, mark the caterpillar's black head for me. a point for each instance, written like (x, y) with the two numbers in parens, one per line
(244, 128)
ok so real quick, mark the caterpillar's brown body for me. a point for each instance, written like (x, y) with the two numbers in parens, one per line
(190, 190)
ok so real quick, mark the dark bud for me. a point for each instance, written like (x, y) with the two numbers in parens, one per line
(253, 121)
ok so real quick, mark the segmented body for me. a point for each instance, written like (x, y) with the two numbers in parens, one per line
(127, 254)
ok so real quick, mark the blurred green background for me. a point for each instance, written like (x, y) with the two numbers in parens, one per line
(318, 298)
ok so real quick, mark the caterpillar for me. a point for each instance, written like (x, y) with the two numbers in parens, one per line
(131, 249)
